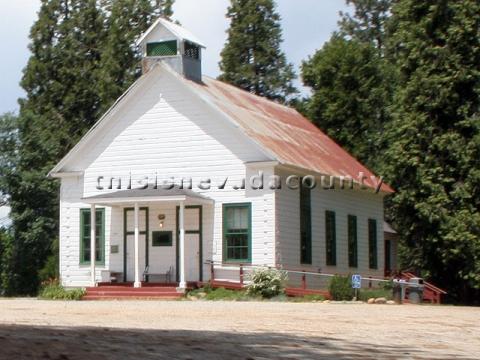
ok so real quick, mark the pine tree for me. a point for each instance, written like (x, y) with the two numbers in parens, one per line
(434, 157)
(252, 58)
(348, 96)
(60, 105)
(120, 64)
(8, 146)
(368, 23)
(351, 82)
(65, 82)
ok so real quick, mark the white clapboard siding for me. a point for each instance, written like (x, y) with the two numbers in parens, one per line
(71, 272)
(162, 128)
(365, 205)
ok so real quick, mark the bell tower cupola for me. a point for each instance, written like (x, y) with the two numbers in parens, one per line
(172, 44)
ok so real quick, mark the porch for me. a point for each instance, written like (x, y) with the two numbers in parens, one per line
(155, 241)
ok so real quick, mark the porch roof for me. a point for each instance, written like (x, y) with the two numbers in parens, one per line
(147, 195)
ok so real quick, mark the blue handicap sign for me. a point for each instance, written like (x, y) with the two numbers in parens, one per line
(356, 281)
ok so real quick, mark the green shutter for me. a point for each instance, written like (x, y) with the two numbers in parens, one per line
(372, 244)
(85, 236)
(164, 48)
(352, 241)
(330, 238)
(305, 225)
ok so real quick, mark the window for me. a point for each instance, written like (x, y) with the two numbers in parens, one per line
(164, 48)
(352, 241)
(192, 51)
(372, 243)
(237, 232)
(85, 236)
(161, 238)
(305, 225)
(330, 238)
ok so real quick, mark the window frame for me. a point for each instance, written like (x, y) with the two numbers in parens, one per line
(372, 244)
(306, 225)
(162, 232)
(82, 261)
(190, 49)
(224, 233)
(330, 261)
(352, 231)
(167, 43)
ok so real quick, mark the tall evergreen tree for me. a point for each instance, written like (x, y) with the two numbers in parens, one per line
(252, 58)
(65, 82)
(59, 107)
(120, 64)
(351, 82)
(8, 147)
(434, 158)
(348, 96)
(368, 23)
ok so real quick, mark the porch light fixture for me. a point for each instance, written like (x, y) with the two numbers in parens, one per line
(161, 219)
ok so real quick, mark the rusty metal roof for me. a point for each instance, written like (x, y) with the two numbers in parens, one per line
(284, 132)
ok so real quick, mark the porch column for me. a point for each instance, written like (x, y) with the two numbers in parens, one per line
(181, 225)
(93, 245)
(137, 283)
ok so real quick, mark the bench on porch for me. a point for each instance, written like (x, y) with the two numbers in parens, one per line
(108, 276)
(166, 275)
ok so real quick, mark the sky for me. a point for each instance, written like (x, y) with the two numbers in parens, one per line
(307, 24)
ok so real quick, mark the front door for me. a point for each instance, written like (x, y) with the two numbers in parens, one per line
(192, 257)
(193, 243)
(129, 242)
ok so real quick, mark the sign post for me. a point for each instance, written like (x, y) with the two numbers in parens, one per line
(356, 284)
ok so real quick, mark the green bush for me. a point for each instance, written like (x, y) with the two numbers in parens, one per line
(266, 283)
(49, 272)
(340, 288)
(226, 294)
(54, 291)
(366, 294)
(208, 293)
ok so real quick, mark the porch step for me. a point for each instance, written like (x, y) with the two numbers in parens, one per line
(129, 292)
(114, 289)
(131, 297)
(133, 293)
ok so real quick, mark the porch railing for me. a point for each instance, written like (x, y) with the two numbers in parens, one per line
(300, 281)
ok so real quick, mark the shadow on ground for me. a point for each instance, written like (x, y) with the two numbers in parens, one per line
(91, 343)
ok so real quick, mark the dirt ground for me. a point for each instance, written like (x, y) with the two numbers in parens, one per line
(33, 329)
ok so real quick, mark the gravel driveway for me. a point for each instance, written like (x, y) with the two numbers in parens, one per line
(33, 329)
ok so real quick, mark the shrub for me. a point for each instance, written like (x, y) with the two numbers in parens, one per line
(50, 270)
(340, 288)
(266, 283)
(366, 294)
(226, 294)
(52, 290)
(208, 293)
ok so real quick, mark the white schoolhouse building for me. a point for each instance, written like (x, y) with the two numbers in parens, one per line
(185, 170)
